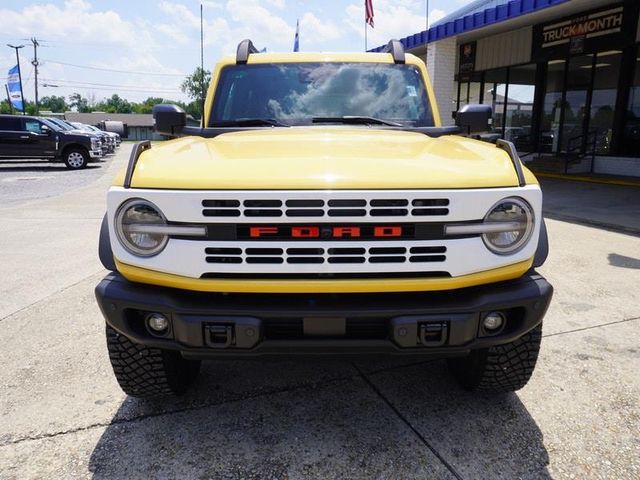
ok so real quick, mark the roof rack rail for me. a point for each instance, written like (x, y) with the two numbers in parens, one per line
(396, 49)
(245, 48)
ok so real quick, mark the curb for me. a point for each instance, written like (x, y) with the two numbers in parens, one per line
(601, 180)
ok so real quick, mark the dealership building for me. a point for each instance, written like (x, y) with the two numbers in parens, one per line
(562, 77)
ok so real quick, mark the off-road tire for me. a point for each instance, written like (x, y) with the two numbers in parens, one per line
(75, 158)
(499, 369)
(149, 372)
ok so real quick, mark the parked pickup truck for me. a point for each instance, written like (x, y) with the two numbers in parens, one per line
(114, 138)
(107, 145)
(323, 209)
(26, 137)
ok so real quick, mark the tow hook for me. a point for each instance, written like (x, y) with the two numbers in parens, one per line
(419, 331)
(232, 332)
(218, 336)
(433, 334)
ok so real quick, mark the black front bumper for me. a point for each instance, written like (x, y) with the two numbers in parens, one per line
(445, 323)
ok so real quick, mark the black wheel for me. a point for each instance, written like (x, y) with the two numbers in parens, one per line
(500, 369)
(149, 372)
(76, 158)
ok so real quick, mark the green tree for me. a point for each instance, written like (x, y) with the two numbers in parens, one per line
(80, 103)
(115, 104)
(4, 107)
(54, 104)
(194, 109)
(195, 85)
(147, 105)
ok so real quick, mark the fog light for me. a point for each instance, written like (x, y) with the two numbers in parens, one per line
(157, 322)
(493, 321)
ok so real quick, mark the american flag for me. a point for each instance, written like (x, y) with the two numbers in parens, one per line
(368, 12)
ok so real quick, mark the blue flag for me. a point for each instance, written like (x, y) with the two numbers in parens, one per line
(296, 41)
(13, 84)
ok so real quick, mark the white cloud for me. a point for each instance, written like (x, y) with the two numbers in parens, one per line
(315, 31)
(435, 15)
(392, 20)
(256, 19)
(277, 3)
(53, 22)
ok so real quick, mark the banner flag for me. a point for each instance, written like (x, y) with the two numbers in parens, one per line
(13, 84)
(368, 12)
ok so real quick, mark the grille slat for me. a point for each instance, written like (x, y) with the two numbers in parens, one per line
(317, 256)
(318, 207)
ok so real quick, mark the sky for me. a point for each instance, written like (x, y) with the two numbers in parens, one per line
(143, 48)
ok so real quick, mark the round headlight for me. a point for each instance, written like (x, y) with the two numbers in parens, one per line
(134, 226)
(514, 222)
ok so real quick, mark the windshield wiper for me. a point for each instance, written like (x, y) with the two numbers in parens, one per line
(356, 120)
(250, 122)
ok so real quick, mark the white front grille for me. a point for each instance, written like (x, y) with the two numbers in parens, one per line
(197, 258)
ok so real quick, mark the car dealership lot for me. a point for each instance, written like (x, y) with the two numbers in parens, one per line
(63, 415)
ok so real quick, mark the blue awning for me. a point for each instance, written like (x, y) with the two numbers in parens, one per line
(472, 17)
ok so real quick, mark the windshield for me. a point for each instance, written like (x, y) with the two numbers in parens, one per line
(296, 93)
(52, 125)
(61, 124)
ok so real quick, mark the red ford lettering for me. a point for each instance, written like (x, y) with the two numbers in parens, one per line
(305, 232)
(256, 232)
(387, 231)
(351, 232)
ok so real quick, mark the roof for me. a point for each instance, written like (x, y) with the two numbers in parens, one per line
(478, 14)
(93, 118)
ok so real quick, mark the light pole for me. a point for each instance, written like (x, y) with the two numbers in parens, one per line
(16, 48)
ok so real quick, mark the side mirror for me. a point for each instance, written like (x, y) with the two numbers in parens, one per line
(169, 119)
(474, 118)
(45, 130)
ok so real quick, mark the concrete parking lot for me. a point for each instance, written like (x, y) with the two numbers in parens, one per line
(62, 414)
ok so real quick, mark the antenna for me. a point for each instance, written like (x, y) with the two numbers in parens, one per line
(202, 65)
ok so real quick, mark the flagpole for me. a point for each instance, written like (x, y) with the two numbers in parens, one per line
(24, 102)
(365, 34)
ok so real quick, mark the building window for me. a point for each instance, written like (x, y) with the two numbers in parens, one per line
(494, 94)
(552, 106)
(631, 130)
(518, 120)
(575, 103)
(603, 98)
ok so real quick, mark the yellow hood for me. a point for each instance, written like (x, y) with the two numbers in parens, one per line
(324, 158)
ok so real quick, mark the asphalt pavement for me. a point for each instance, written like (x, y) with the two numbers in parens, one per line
(62, 414)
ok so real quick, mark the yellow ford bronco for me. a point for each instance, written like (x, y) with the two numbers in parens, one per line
(321, 209)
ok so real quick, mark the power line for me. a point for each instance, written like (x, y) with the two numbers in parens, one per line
(77, 82)
(110, 89)
(116, 70)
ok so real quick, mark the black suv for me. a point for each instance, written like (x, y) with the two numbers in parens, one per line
(26, 137)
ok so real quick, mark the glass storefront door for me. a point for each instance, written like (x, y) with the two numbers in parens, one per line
(606, 76)
(574, 113)
(552, 107)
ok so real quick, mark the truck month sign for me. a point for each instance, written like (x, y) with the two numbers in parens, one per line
(587, 32)
(593, 25)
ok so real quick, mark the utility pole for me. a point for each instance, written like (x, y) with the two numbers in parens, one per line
(35, 67)
(16, 48)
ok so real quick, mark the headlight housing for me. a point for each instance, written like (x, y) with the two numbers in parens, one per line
(134, 224)
(519, 214)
